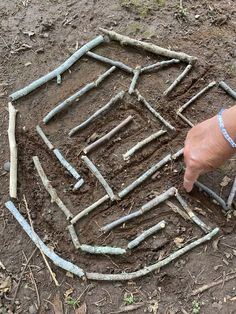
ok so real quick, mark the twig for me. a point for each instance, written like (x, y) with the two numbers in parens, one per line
(107, 136)
(100, 111)
(159, 65)
(74, 236)
(127, 308)
(231, 195)
(78, 184)
(158, 265)
(185, 119)
(50, 189)
(102, 249)
(125, 40)
(67, 102)
(161, 225)
(153, 111)
(13, 151)
(58, 71)
(142, 143)
(44, 137)
(177, 210)
(228, 89)
(178, 79)
(117, 64)
(99, 176)
(137, 72)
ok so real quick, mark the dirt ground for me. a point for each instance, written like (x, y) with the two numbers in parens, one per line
(36, 37)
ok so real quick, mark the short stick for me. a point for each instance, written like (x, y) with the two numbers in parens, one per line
(137, 72)
(74, 236)
(99, 112)
(78, 184)
(231, 195)
(159, 65)
(178, 80)
(102, 249)
(44, 137)
(66, 164)
(147, 233)
(185, 119)
(50, 189)
(13, 150)
(177, 210)
(228, 89)
(107, 136)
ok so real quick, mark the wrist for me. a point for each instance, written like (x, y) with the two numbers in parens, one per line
(229, 119)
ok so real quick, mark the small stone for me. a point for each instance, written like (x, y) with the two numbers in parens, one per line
(197, 16)
(6, 166)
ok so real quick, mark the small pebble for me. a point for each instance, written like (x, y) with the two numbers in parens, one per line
(6, 166)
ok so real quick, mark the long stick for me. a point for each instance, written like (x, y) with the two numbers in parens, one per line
(185, 119)
(158, 265)
(58, 71)
(231, 195)
(102, 249)
(177, 154)
(137, 72)
(74, 236)
(159, 65)
(99, 176)
(142, 143)
(67, 102)
(153, 111)
(13, 150)
(228, 89)
(178, 80)
(100, 111)
(147, 233)
(107, 136)
(125, 40)
(44, 137)
(50, 189)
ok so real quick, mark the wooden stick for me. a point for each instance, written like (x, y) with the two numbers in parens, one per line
(50, 189)
(231, 195)
(195, 97)
(125, 40)
(142, 143)
(185, 119)
(67, 102)
(58, 71)
(159, 65)
(13, 150)
(117, 64)
(158, 265)
(178, 154)
(153, 111)
(74, 236)
(99, 176)
(99, 112)
(147, 233)
(102, 249)
(107, 136)
(44, 137)
(137, 72)
(78, 184)
(177, 210)
(178, 79)
(227, 89)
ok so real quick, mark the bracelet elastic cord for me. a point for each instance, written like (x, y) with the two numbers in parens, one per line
(223, 129)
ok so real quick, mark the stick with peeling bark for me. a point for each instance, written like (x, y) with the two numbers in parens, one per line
(137, 72)
(178, 80)
(99, 112)
(125, 40)
(50, 189)
(228, 89)
(13, 150)
(102, 249)
(67, 102)
(74, 236)
(159, 65)
(58, 71)
(107, 136)
(231, 195)
(44, 137)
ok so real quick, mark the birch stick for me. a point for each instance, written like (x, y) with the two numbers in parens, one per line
(137, 72)
(107, 136)
(185, 119)
(50, 189)
(153, 111)
(13, 150)
(66, 164)
(143, 143)
(74, 236)
(67, 102)
(228, 89)
(125, 40)
(88, 209)
(102, 249)
(156, 266)
(78, 184)
(99, 112)
(177, 210)
(117, 64)
(99, 176)
(195, 97)
(178, 80)
(147, 233)
(57, 260)
(58, 71)
(231, 195)
(44, 137)
(159, 65)
(178, 154)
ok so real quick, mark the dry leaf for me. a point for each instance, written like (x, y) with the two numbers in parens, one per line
(82, 309)
(5, 284)
(57, 304)
(226, 180)
(179, 242)
(200, 211)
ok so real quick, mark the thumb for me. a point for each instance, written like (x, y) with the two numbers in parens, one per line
(190, 176)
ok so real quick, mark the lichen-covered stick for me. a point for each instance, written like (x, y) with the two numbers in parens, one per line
(74, 236)
(185, 119)
(102, 249)
(178, 80)
(57, 260)
(231, 195)
(107, 136)
(142, 143)
(199, 94)
(88, 209)
(44, 137)
(99, 112)
(228, 89)
(156, 266)
(153, 111)
(50, 189)
(13, 150)
(117, 64)
(137, 72)
(147, 233)
(125, 40)
(99, 176)
(67, 102)
(177, 210)
(159, 65)
(58, 71)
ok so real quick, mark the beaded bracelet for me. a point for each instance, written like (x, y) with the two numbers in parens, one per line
(223, 129)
